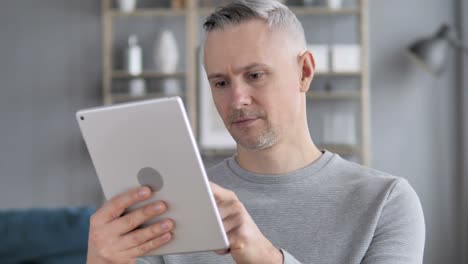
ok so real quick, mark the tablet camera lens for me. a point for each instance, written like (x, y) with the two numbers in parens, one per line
(82, 118)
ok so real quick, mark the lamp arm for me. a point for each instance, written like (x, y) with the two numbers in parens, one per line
(458, 44)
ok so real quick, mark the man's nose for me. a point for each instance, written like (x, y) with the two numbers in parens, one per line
(240, 95)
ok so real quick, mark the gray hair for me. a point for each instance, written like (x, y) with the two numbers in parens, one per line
(277, 15)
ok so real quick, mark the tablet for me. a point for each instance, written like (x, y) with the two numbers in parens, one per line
(150, 143)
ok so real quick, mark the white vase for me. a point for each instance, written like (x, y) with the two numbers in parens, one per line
(126, 5)
(133, 56)
(137, 87)
(166, 54)
(335, 4)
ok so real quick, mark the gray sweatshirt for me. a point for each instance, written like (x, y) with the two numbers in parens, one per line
(332, 211)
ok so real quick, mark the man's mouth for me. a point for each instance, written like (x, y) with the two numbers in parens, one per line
(243, 120)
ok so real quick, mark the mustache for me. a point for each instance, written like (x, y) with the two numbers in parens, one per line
(243, 113)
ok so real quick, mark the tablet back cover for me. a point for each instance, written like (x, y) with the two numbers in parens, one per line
(124, 139)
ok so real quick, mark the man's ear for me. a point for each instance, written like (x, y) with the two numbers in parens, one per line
(307, 63)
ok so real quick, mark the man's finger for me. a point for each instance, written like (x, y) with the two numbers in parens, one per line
(116, 206)
(215, 189)
(230, 223)
(150, 245)
(136, 218)
(223, 251)
(220, 194)
(148, 233)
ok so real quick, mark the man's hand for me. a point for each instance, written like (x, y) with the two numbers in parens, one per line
(247, 243)
(113, 238)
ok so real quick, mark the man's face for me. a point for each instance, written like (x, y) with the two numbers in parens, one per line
(254, 75)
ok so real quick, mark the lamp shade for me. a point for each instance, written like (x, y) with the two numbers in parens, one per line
(431, 53)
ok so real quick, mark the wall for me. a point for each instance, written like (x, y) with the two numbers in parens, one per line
(464, 124)
(50, 67)
(414, 116)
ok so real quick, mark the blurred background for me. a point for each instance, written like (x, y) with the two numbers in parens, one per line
(58, 56)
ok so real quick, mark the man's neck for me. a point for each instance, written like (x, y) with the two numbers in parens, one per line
(281, 158)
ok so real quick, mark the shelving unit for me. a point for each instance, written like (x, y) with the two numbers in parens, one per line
(109, 16)
(191, 13)
(333, 95)
(338, 74)
(325, 11)
(124, 97)
(147, 74)
(149, 12)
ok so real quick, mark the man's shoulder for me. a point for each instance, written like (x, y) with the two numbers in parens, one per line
(349, 171)
(362, 179)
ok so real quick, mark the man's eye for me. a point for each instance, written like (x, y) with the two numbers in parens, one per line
(220, 84)
(256, 75)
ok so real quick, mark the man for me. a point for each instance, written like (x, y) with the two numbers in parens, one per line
(282, 200)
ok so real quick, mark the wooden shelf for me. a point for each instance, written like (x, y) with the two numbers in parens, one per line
(149, 12)
(147, 74)
(355, 95)
(125, 97)
(304, 10)
(205, 11)
(338, 74)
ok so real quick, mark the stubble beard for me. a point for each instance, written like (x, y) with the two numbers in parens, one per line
(263, 141)
(267, 138)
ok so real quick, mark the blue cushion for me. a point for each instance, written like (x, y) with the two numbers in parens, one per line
(44, 235)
